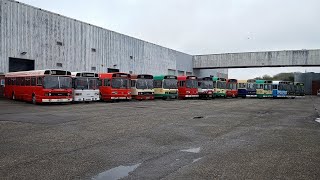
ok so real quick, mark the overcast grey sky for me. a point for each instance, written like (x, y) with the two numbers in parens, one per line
(205, 26)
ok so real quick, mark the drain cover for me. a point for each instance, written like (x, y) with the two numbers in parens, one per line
(198, 117)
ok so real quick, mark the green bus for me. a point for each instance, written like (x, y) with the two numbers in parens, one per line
(219, 87)
(166, 86)
(264, 88)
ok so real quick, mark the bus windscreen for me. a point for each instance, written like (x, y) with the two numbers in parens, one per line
(192, 84)
(57, 82)
(170, 84)
(144, 84)
(120, 83)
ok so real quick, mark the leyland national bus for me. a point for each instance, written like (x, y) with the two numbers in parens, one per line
(264, 88)
(166, 87)
(85, 86)
(291, 91)
(299, 87)
(40, 86)
(115, 86)
(219, 87)
(205, 88)
(279, 89)
(142, 87)
(242, 88)
(232, 88)
(251, 88)
(187, 87)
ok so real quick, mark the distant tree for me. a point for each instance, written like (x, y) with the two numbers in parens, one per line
(280, 77)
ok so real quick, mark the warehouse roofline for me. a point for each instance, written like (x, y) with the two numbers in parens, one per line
(47, 11)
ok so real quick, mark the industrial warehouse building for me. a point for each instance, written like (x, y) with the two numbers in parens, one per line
(311, 81)
(32, 38)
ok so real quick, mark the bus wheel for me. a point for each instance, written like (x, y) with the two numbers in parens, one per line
(34, 99)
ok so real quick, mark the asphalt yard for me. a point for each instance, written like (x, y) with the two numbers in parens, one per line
(181, 139)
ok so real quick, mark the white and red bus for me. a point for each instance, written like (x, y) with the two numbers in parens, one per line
(115, 86)
(40, 86)
(142, 87)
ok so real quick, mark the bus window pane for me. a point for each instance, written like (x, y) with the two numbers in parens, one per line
(33, 81)
(93, 84)
(39, 81)
(28, 82)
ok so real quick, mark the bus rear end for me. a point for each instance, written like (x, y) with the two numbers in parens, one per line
(232, 88)
(251, 88)
(205, 88)
(142, 87)
(85, 87)
(242, 88)
(188, 87)
(115, 86)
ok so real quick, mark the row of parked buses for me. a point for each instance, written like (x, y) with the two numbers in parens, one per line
(59, 86)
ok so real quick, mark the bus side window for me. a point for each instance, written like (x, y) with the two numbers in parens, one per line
(28, 81)
(157, 84)
(18, 81)
(13, 81)
(182, 83)
(33, 81)
(22, 81)
(99, 82)
(106, 82)
(133, 83)
(274, 87)
(39, 81)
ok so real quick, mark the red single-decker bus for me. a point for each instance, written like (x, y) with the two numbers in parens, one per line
(115, 86)
(187, 87)
(232, 88)
(40, 86)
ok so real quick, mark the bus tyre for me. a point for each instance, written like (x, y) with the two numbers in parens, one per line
(34, 99)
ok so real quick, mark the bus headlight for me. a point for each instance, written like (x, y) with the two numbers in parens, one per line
(69, 94)
(129, 92)
(97, 94)
(47, 94)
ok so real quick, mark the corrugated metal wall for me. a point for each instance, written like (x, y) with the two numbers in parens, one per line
(307, 79)
(259, 59)
(24, 28)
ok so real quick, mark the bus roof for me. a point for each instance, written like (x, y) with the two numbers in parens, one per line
(260, 81)
(84, 74)
(116, 74)
(38, 73)
(161, 77)
(187, 77)
(218, 79)
(242, 81)
(141, 76)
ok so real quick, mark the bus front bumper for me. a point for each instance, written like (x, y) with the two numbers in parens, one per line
(121, 98)
(57, 100)
(191, 96)
(144, 97)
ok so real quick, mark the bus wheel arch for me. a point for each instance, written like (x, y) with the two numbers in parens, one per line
(34, 98)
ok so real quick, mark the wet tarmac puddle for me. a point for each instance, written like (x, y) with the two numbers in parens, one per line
(192, 150)
(116, 173)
